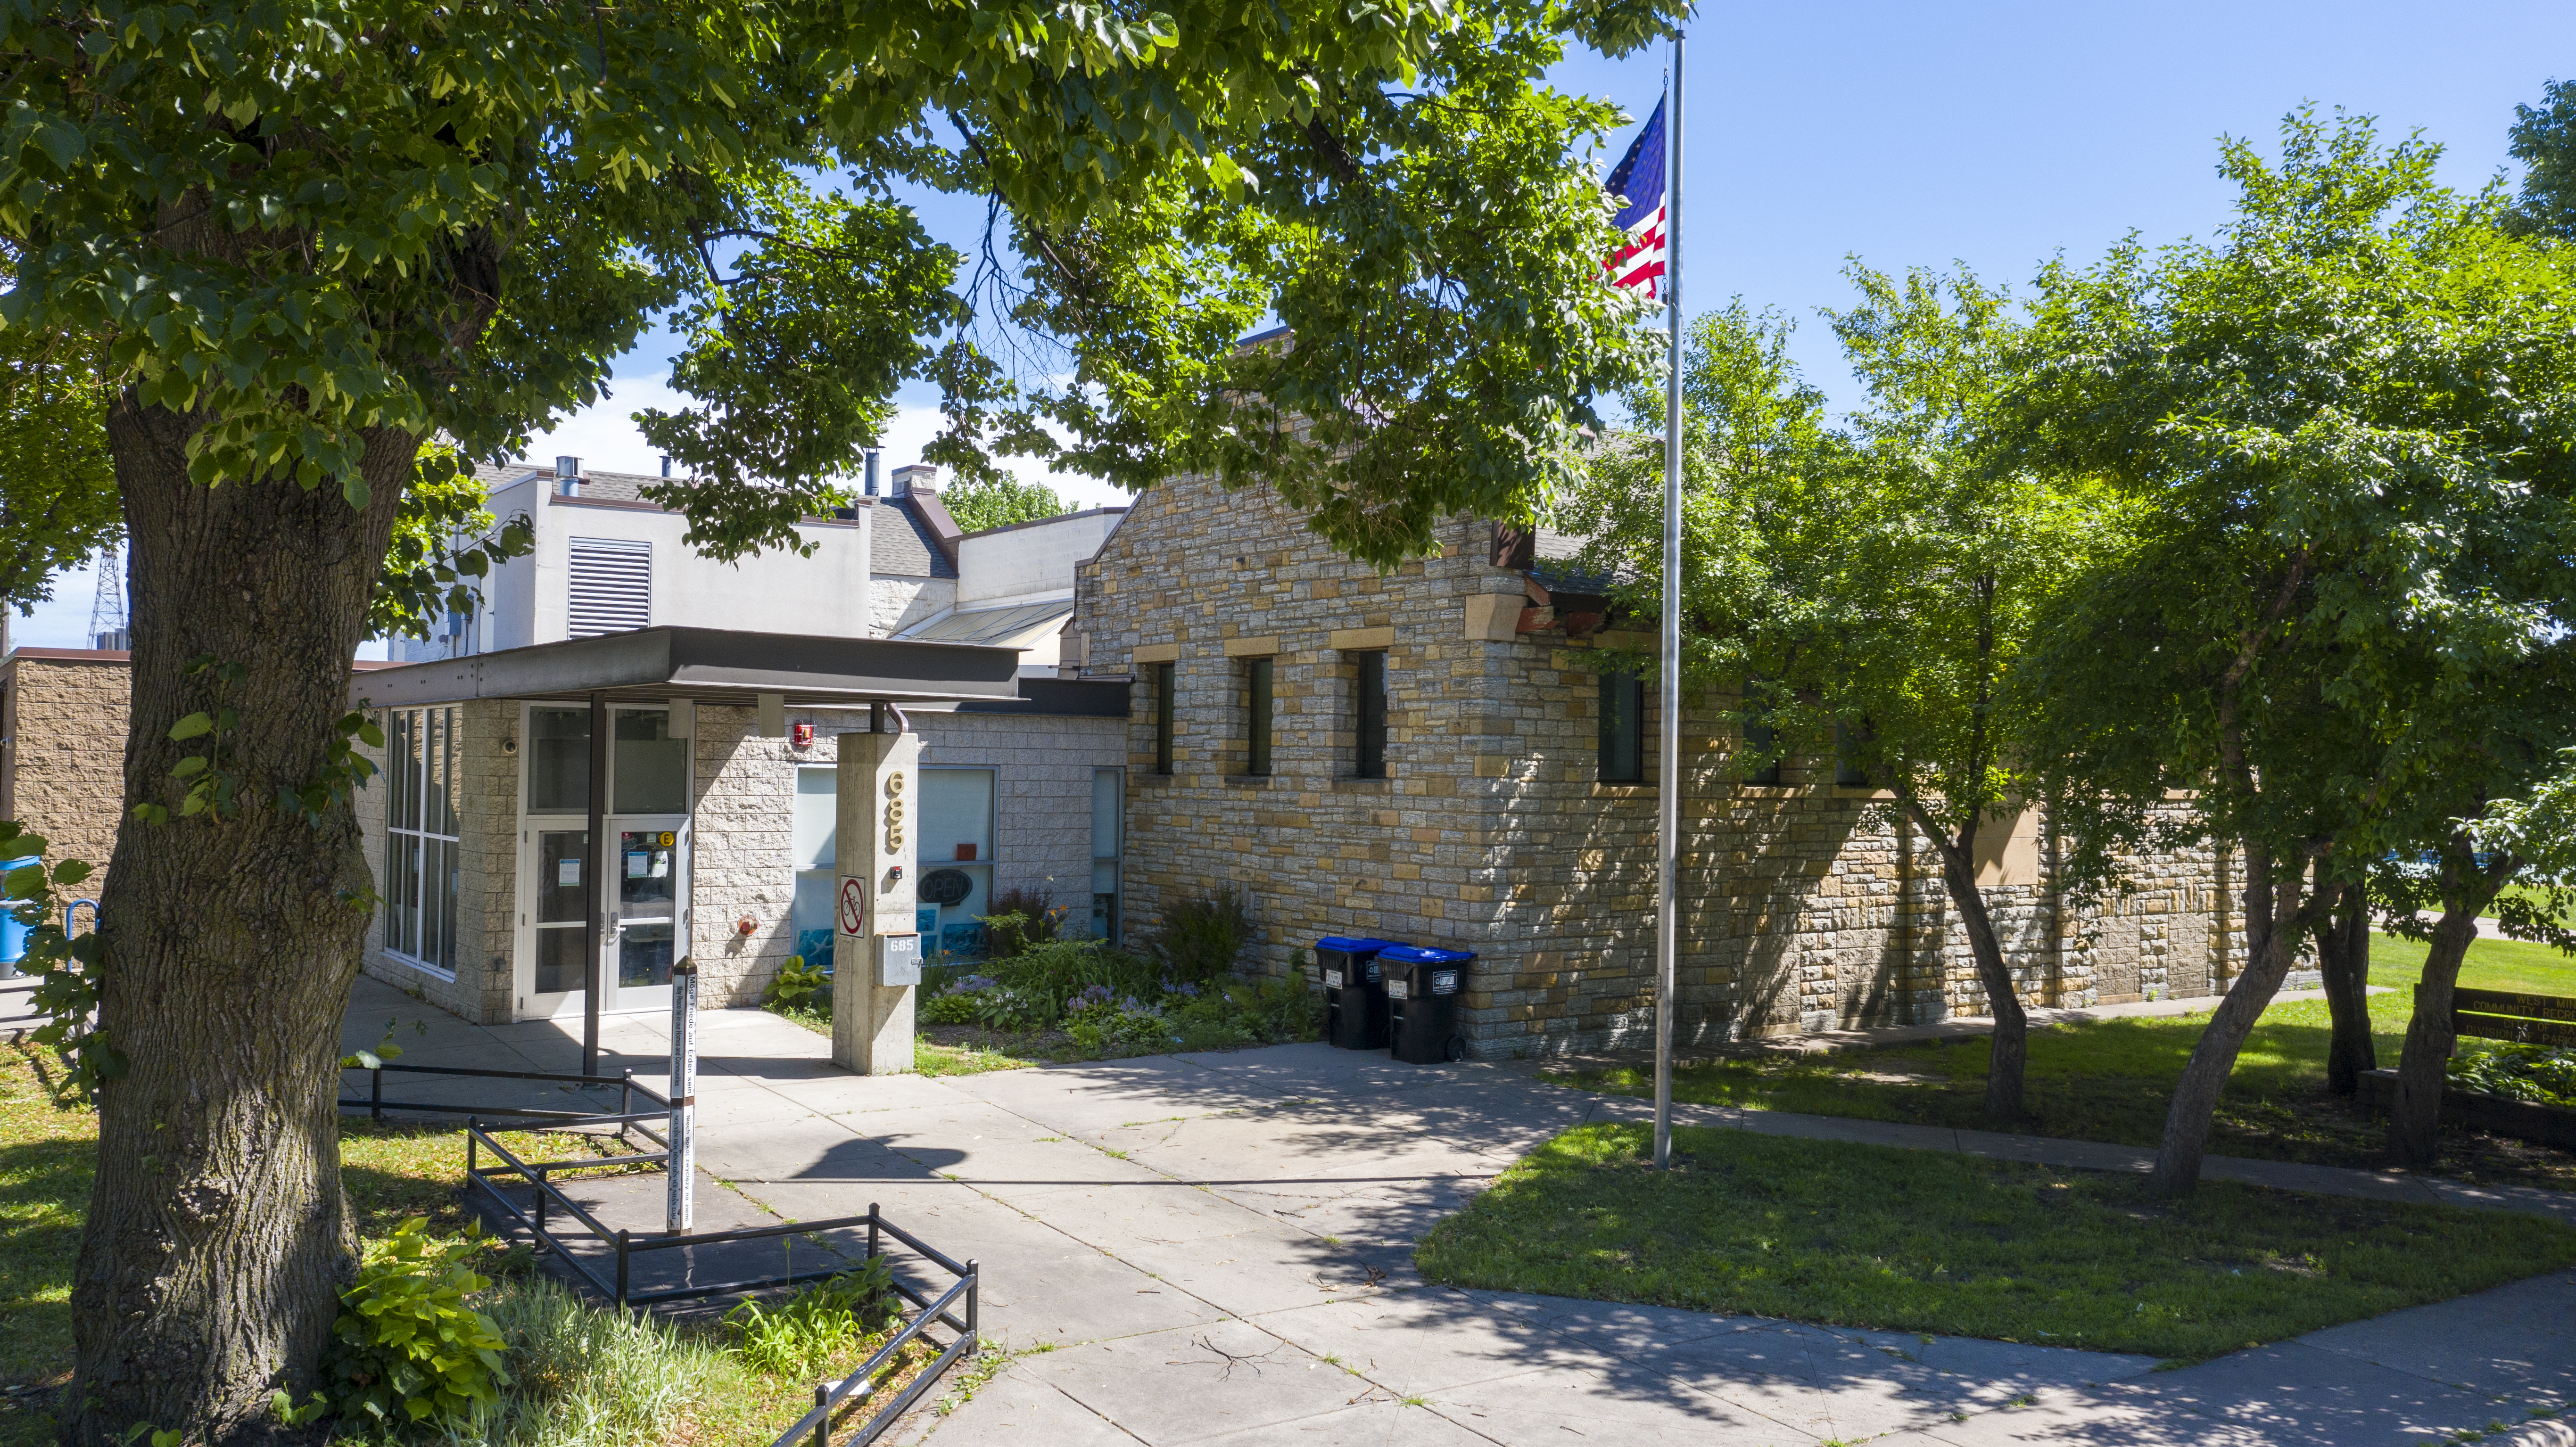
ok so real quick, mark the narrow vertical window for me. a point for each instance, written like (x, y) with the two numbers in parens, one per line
(1163, 717)
(422, 825)
(1849, 771)
(1369, 707)
(1257, 719)
(1623, 729)
(1108, 811)
(1761, 741)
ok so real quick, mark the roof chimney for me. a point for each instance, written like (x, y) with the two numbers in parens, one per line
(875, 459)
(666, 467)
(568, 475)
(916, 477)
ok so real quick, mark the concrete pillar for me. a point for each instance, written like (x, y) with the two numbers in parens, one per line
(872, 902)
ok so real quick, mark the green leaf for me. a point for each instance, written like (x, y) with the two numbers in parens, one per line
(193, 726)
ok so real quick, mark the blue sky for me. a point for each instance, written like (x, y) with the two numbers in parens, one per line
(1994, 135)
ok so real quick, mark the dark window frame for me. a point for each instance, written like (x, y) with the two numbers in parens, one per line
(1849, 771)
(1620, 748)
(1260, 714)
(1368, 714)
(1163, 691)
(1758, 733)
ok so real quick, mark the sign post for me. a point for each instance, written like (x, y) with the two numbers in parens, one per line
(872, 901)
(681, 1206)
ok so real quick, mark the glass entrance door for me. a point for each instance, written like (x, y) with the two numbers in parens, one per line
(648, 912)
(556, 931)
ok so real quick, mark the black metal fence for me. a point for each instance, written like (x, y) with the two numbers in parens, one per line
(814, 1429)
(955, 1308)
(625, 1116)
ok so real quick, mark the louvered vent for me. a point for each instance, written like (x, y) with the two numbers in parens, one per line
(611, 586)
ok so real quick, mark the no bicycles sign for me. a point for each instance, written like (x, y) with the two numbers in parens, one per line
(854, 907)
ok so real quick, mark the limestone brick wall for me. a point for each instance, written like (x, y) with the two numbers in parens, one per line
(743, 832)
(896, 603)
(1805, 905)
(65, 776)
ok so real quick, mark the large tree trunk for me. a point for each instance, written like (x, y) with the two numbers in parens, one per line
(217, 1237)
(2275, 922)
(2343, 958)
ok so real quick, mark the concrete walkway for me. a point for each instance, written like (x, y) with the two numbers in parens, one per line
(1217, 1248)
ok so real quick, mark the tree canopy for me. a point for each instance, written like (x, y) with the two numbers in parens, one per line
(2348, 418)
(998, 501)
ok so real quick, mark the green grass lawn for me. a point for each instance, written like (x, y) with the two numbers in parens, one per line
(1872, 1236)
(2111, 1080)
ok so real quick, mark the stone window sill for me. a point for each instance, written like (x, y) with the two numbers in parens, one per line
(1862, 791)
(1623, 791)
(1362, 786)
(1249, 781)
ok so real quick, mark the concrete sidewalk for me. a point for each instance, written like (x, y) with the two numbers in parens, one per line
(1218, 1248)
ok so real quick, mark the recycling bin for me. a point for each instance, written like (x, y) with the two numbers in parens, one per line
(13, 930)
(1422, 990)
(1354, 996)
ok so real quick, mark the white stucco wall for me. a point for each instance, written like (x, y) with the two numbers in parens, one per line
(824, 594)
(1036, 558)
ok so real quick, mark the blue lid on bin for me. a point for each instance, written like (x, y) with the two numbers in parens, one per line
(1418, 955)
(1349, 946)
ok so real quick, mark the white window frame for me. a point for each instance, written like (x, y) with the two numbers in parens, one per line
(407, 882)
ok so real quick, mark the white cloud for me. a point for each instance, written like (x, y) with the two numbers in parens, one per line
(605, 437)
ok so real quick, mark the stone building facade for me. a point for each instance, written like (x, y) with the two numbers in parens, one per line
(62, 751)
(1805, 906)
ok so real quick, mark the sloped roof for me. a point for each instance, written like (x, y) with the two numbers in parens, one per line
(902, 544)
(1014, 625)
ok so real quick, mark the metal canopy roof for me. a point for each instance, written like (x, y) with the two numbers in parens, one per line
(706, 664)
(999, 626)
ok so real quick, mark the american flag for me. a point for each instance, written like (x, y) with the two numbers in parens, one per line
(1637, 189)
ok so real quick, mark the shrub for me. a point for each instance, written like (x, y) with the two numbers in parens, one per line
(1200, 940)
(2534, 1073)
(1061, 969)
(407, 1348)
(1008, 1009)
(800, 986)
(803, 1332)
(1249, 1012)
(1020, 919)
(948, 1009)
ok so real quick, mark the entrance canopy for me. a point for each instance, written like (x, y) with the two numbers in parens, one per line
(593, 924)
(708, 665)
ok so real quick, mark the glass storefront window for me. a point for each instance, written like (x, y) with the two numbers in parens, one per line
(649, 768)
(813, 849)
(956, 860)
(558, 748)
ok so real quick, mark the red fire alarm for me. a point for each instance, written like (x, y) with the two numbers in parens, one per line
(801, 735)
(746, 924)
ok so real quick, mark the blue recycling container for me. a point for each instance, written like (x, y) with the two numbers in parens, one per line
(1354, 997)
(1422, 990)
(13, 932)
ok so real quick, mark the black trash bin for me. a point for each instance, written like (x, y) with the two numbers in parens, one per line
(1354, 997)
(1422, 989)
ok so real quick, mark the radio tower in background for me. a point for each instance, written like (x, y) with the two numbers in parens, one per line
(107, 623)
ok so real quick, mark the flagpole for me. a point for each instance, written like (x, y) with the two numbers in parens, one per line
(1668, 797)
